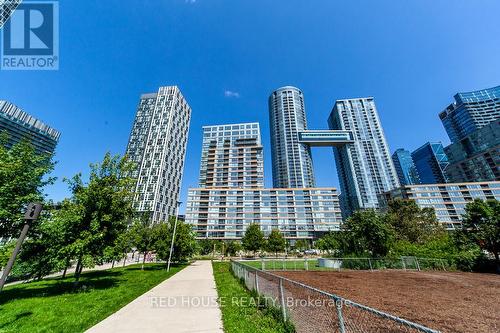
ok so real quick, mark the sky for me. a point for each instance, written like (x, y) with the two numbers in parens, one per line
(227, 56)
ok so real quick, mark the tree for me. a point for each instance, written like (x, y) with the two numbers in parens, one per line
(44, 251)
(366, 232)
(206, 246)
(276, 242)
(481, 225)
(98, 210)
(302, 245)
(412, 223)
(330, 242)
(232, 248)
(23, 175)
(142, 237)
(253, 240)
(185, 245)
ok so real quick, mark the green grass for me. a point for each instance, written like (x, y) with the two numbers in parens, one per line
(288, 264)
(244, 317)
(56, 305)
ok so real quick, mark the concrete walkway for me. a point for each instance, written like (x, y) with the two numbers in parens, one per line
(186, 302)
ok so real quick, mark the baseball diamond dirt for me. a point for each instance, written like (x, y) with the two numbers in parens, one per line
(445, 301)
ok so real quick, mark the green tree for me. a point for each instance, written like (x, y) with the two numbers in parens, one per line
(185, 245)
(330, 242)
(302, 245)
(205, 246)
(99, 210)
(253, 240)
(481, 225)
(232, 248)
(23, 175)
(412, 223)
(44, 251)
(275, 242)
(142, 237)
(366, 232)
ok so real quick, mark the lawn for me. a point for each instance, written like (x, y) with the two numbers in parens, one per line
(242, 316)
(56, 305)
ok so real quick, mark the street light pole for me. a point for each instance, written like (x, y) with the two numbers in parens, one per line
(32, 213)
(173, 237)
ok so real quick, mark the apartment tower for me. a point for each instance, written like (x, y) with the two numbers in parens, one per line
(292, 161)
(157, 145)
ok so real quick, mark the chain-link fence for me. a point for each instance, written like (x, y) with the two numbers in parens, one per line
(313, 310)
(325, 264)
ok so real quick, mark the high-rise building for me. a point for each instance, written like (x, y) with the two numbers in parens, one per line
(231, 193)
(405, 168)
(157, 145)
(6, 9)
(232, 156)
(292, 162)
(448, 200)
(431, 163)
(476, 157)
(19, 126)
(470, 112)
(364, 166)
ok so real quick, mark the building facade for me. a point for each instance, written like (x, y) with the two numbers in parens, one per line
(431, 163)
(231, 193)
(225, 213)
(470, 112)
(157, 145)
(405, 167)
(365, 167)
(292, 161)
(476, 157)
(18, 125)
(448, 200)
(232, 156)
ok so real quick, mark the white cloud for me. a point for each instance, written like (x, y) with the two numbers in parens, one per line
(231, 94)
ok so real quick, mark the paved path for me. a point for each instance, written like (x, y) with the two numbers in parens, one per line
(186, 302)
(71, 270)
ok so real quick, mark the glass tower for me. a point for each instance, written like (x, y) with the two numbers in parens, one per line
(19, 125)
(365, 166)
(157, 145)
(292, 162)
(470, 112)
(405, 168)
(476, 157)
(431, 163)
(232, 156)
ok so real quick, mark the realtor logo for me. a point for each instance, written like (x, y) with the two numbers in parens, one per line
(30, 38)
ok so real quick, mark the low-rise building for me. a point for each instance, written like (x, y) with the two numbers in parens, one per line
(299, 213)
(448, 200)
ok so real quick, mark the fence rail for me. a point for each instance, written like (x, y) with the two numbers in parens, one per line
(313, 310)
(311, 264)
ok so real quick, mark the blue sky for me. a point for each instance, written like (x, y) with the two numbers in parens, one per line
(412, 56)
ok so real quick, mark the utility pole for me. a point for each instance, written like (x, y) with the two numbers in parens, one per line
(32, 213)
(173, 236)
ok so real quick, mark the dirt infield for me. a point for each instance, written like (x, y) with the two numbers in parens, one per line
(445, 301)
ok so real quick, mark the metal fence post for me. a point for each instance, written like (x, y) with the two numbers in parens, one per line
(283, 264)
(403, 262)
(370, 263)
(282, 296)
(256, 283)
(306, 265)
(338, 305)
(418, 265)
